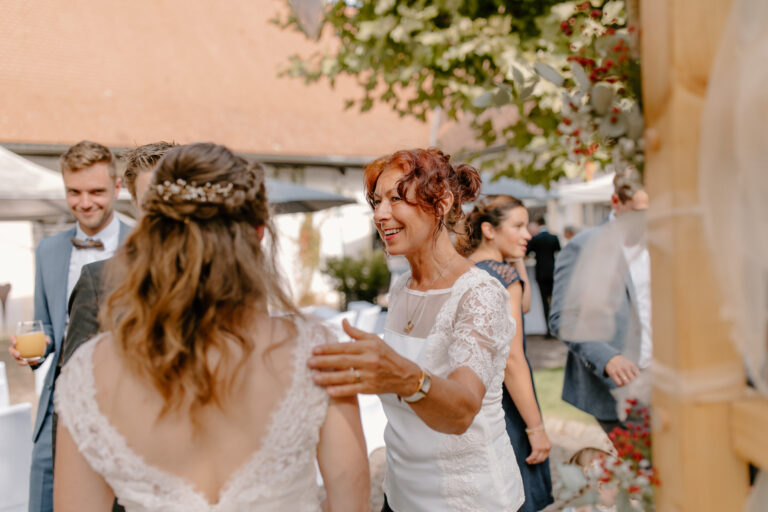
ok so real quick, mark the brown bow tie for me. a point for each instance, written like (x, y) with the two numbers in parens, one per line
(88, 243)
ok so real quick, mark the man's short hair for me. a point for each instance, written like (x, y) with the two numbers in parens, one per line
(85, 154)
(626, 183)
(142, 159)
(540, 220)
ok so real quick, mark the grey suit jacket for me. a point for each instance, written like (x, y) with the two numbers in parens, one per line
(51, 272)
(586, 385)
(84, 304)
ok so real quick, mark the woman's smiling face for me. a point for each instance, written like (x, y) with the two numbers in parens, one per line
(404, 226)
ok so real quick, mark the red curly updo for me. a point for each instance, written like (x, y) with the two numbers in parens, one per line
(429, 175)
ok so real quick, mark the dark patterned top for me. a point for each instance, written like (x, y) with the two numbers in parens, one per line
(504, 272)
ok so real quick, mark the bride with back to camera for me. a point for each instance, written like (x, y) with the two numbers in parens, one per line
(196, 398)
(440, 367)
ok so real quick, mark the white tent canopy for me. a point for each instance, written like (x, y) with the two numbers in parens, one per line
(29, 191)
(598, 190)
(516, 188)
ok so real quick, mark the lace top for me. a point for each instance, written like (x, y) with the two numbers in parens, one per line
(466, 325)
(279, 476)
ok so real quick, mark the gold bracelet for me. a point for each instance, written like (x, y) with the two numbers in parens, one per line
(422, 376)
(533, 430)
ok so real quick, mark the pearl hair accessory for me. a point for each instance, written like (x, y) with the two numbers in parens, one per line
(181, 190)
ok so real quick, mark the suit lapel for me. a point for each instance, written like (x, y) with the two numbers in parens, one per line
(59, 264)
(630, 288)
(125, 229)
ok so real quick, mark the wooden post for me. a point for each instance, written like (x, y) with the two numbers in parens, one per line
(692, 450)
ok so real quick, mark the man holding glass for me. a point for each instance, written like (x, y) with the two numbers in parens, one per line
(90, 179)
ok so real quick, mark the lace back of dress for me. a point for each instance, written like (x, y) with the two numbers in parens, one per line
(279, 476)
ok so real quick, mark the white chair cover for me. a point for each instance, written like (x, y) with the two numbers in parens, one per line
(5, 398)
(15, 456)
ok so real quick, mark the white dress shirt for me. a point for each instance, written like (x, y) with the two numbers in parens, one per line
(109, 236)
(639, 262)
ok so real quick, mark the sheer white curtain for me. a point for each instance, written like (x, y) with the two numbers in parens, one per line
(733, 180)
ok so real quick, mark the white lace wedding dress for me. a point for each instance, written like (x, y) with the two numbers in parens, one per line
(280, 476)
(467, 325)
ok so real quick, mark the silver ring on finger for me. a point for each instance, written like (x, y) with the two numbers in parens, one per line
(357, 376)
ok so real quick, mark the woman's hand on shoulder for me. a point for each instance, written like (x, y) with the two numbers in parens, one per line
(366, 365)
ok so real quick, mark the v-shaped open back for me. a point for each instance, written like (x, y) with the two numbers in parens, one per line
(278, 475)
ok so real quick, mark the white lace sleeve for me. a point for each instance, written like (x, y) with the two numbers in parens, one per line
(482, 332)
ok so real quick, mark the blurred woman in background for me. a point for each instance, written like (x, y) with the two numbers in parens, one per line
(497, 236)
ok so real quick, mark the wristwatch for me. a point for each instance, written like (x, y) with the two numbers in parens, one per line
(425, 382)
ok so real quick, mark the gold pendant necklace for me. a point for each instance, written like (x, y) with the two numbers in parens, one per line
(409, 325)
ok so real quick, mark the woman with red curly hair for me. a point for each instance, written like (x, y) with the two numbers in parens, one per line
(440, 367)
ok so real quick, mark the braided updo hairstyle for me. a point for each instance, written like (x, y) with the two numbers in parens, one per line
(491, 209)
(429, 175)
(189, 276)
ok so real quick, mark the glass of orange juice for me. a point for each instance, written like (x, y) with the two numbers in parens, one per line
(30, 340)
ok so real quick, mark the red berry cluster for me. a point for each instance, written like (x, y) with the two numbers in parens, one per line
(586, 150)
(567, 26)
(609, 70)
(634, 442)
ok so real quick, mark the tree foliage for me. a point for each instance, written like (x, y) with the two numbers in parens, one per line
(551, 87)
(363, 278)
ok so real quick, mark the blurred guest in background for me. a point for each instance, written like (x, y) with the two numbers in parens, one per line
(601, 307)
(569, 232)
(497, 240)
(545, 246)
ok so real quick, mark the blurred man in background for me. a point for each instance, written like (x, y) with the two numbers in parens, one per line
(545, 246)
(601, 307)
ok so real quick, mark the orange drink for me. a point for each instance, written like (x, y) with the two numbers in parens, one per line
(30, 339)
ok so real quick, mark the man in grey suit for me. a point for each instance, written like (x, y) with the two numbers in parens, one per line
(89, 292)
(601, 305)
(91, 185)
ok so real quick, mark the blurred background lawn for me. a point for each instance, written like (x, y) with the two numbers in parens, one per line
(549, 387)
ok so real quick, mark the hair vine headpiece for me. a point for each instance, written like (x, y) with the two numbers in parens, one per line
(181, 190)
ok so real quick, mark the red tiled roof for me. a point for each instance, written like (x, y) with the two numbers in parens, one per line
(126, 73)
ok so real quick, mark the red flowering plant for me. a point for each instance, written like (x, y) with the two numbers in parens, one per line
(578, 97)
(602, 120)
(551, 88)
(623, 481)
